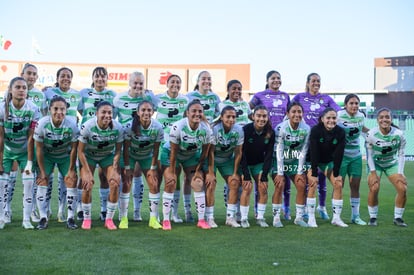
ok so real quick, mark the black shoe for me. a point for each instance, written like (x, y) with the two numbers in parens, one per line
(70, 224)
(80, 216)
(373, 222)
(102, 216)
(400, 222)
(42, 224)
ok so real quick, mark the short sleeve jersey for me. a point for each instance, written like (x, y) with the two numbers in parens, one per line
(291, 145)
(275, 102)
(353, 128)
(314, 105)
(170, 110)
(17, 125)
(225, 143)
(100, 143)
(210, 102)
(72, 98)
(57, 141)
(242, 110)
(189, 141)
(142, 146)
(38, 98)
(90, 98)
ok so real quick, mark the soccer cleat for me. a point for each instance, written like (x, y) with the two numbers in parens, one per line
(212, 223)
(177, 219)
(137, 216)
(124, 223)
(232, 222)
(7, 217)
(300, 222)
(312, 223)
(262, 223)
(338, 222)
(109, 224)
(358, 220)
(373, 222)
(27, 225)
(2, 224)
(323, 213)
(79, 216)
(203, 224)
(42, 224)
(87, 224)
(400, 222)
(245, 223)
(35, 216)
(189, 217)
(153, 223)
(286, 213)
(166, 225)
(102, 216)
(277, 223)
(61, 217)
(70, 224)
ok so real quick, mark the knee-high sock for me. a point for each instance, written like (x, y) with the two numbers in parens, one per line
(41, 201)
(28, 181)
(167, 200)
(154, 200)
(62, 193)
(138, 192)
(322, 189)
(200, 202)
(71, 199)
(123, 204)
(10, 189)
(286, 192)
(4, 181)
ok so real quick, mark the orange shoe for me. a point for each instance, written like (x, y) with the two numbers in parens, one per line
(109, 223)
(166, 225)
(203, 224)
(87, 224)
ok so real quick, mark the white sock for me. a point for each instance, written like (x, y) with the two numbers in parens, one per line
(49, 192)
(276, 208)
(167, 200)
(244, 211)
(373, 211)
(123, 204)
(111, 208)
(10, 189)
(225, 194)
(300, 209)
(398, 212)
(209, 212)
(4, 180)
(176, 202)
(27, 195)
(154, 200)
(71, 198)
(310, 206)
(62, 193)
(41, 201)
(200, 202)
(79, 204)
(337, 208)
(103, 195)
(261, 209)
(187, 203)
(231, 210)
(355, 206)
(137, 192)
(86, 208)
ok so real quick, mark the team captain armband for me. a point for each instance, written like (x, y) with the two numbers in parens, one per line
(33, 124)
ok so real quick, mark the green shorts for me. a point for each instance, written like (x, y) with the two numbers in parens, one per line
(145, 164)
(9, 158)
(226, 168)
(255, 169)
(103, 163)
(351, 167)
(388, 171)
(165, 159)
(62, 165)
(325, 167)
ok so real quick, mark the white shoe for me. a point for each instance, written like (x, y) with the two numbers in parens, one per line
(212, 223)
(232, 222)
(35, 216)
(177, 219)
(245, 224)
(27, 225)
(277, 223)
(300, 222)
(137, 216)
(339, 222)
(262, 223)
(312, 223)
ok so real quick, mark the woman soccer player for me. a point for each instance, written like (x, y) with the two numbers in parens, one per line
(386, 145)
(327, 144)
(100, 142)
(56, 140)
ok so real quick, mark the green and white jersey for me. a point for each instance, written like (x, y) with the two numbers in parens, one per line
(353, 128)
(386, 150)
(57, 141)
(72, 97)
(189, 141)
(142, 146)
(126, 105)
(210, 102)
(38, 98)
(170, 110)
(242, 110)
(225, 143)
(17, 125)
(100, 143)
(90, 98)
(291, 145)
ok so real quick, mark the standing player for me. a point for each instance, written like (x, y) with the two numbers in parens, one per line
(314, 103)
(386, 145)
(18, 118)
(352, 121)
